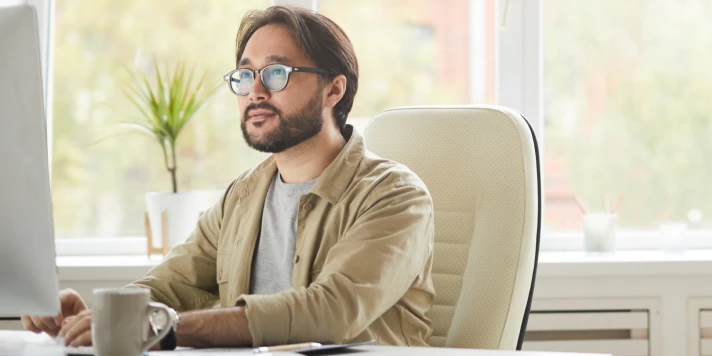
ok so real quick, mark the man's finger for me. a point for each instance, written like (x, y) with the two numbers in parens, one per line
(49, 321)
(59, 319)
(71, 321)
(66, 325)
(29, 325)
(76, 328)
(72, 303)
(43, 326)
(82, 340)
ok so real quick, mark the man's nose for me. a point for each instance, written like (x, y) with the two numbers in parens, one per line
(258, 92)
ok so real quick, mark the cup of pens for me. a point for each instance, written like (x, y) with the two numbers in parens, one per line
(599, 228)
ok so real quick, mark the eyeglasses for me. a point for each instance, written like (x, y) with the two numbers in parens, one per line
(274, 77)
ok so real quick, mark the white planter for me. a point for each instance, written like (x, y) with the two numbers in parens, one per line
(182, 213)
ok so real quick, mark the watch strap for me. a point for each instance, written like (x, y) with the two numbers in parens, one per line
(169, 341)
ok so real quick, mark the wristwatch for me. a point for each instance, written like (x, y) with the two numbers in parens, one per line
(168, 342)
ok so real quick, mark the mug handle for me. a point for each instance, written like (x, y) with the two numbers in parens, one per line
(158, 308)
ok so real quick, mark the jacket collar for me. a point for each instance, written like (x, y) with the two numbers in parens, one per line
(331, 185)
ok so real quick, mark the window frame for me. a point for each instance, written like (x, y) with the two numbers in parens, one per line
(519, 77)
(520, 86)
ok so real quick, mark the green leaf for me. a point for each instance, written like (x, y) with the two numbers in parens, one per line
(139, 107)
(143, 129)
(166, 102)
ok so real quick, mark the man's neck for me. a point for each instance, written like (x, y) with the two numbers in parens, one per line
(309, 159)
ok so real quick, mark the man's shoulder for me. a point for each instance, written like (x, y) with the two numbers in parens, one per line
(385, 174)
(237, 187)
(255, 170)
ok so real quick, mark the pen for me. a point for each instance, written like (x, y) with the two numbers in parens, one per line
(290, 347)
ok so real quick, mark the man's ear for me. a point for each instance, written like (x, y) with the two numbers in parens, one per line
(335, 91)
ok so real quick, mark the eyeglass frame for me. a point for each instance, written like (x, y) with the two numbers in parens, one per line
(228, 77)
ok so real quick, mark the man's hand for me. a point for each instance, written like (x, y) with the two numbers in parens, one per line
(77, 330)
(226, 327)
(71, 304)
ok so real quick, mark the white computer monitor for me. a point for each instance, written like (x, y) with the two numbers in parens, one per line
(28, 274)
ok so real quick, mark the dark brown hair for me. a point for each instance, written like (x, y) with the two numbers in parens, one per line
(321, 39)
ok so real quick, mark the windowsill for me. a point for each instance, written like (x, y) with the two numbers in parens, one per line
(104, 268)
(551, 265)
(625, 264)
(626, 241)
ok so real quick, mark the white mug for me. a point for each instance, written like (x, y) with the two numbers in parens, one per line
(121, 322)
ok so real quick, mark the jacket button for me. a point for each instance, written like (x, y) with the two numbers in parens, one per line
(307, 206)
(296, 259)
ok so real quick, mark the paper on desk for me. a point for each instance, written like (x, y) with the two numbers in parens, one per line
(217, 352)
(26, 343)
(211, 352)
(25, 337)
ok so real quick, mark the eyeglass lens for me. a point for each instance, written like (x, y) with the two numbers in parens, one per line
(274, 78)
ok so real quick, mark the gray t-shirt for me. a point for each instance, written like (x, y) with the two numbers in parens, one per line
(272, 263)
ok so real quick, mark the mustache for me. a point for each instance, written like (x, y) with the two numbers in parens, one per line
(262, 105)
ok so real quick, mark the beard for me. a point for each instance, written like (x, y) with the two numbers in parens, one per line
(291, 130)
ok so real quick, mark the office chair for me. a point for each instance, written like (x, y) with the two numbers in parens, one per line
(481, 165)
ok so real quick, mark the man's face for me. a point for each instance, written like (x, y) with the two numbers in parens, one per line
(275, 121)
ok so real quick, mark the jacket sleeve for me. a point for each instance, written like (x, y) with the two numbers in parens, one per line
(186, 278)
(365, 274)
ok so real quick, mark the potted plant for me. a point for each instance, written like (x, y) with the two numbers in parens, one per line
(166, 103)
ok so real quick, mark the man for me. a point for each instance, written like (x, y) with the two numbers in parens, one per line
(323, 241)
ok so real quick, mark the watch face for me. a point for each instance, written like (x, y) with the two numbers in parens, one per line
(158, 320)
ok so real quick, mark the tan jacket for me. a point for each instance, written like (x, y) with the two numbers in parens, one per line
(362, 266)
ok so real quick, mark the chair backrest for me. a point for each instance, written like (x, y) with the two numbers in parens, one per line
(481, 165)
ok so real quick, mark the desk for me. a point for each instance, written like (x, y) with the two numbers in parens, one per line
(392, 351)
(398, 351)
(27, 343)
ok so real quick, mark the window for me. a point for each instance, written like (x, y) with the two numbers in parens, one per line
(627, 110)
(98, 188)
(418, 52)
(616, 90)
